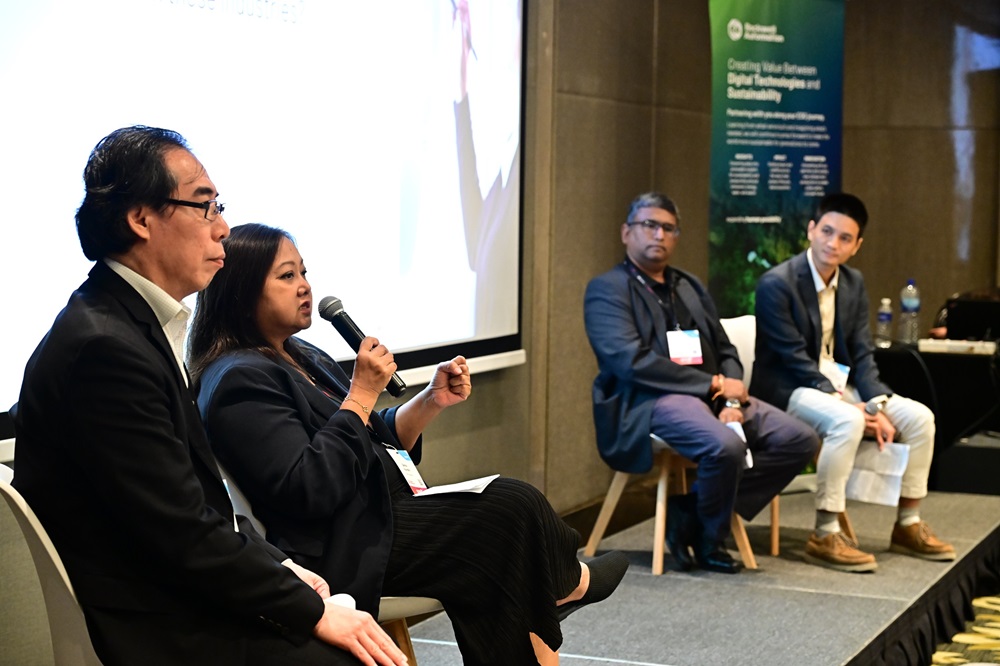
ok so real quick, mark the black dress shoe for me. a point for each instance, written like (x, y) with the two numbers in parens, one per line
(712, 556)
(606, 572)
(682, 524)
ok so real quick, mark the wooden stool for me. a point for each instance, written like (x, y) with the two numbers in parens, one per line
(670, 463)
(392, 614)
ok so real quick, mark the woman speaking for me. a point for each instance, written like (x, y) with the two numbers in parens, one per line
(324, 471)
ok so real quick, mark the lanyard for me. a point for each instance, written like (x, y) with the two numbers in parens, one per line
(669, 310)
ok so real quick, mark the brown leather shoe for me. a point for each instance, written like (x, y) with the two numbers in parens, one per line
(918, 540)
(837, 552)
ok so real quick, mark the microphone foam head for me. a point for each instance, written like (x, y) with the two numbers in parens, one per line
(329, 307)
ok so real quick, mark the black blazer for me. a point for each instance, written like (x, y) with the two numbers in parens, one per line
(627, 329)
(113, 458)
(311, 471)
(789, 334)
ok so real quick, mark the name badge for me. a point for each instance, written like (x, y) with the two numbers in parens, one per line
(837, 373)
(685, 347)
(409, 470)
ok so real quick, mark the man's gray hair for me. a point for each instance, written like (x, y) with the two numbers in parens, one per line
(653, 200)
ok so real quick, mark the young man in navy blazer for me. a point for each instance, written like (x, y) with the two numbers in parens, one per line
(815, 358)
(667, 367)
(113, 458)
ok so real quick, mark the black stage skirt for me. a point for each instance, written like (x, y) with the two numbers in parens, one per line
(498, 562)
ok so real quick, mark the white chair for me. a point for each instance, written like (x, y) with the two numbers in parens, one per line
(71, 644)
(742, 333)
(6, 451)
(393, 611)
(669, 464)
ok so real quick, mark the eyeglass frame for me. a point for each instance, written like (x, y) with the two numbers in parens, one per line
(650, 227)
(204, 205)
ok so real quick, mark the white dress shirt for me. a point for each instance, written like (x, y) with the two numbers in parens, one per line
(827, 294)
(172, 315)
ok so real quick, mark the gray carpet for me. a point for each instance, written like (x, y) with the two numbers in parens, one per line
(786, 612)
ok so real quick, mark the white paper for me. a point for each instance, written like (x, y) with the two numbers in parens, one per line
(877, 476)
(737, 427)
(472, 486)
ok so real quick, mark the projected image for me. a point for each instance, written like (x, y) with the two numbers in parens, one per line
(488, 140)
(386, 138)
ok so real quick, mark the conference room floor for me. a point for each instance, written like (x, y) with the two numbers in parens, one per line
(786, 612)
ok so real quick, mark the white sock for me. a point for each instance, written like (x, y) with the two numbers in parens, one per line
(908, 516)
(826, 523)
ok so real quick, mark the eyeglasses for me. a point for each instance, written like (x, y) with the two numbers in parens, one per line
(650, 227)
(212, 208)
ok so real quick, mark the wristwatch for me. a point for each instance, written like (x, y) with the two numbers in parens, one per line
(876, 404)
(733, 403)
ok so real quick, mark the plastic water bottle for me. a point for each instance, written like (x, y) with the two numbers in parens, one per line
(883, 324)
(909, 313)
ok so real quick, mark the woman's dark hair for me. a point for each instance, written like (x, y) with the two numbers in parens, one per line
(125, 170)
(225, 316)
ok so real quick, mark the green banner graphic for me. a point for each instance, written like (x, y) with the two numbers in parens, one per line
(777, 86)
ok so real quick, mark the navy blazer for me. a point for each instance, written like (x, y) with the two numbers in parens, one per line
(311, 471)
(789, 334)
(627, 329)
(113, 458)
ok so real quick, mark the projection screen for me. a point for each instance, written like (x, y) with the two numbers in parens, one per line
(390, 152)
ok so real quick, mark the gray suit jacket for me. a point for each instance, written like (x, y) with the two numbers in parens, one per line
(789, 334)
(627, 329)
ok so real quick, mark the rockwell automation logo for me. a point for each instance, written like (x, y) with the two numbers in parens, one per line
(735, 29)
(753, 32)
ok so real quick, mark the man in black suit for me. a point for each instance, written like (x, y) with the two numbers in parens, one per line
(113, 458)
(667, 367)
(815, 358)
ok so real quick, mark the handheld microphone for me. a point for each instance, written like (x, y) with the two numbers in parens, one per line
(332, 310)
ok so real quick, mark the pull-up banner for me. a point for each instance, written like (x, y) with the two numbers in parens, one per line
(777, 86)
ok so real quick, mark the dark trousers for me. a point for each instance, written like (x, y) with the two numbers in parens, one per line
(781, 446)
(497, 561)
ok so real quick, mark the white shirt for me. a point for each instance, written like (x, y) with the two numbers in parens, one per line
(827, 294)
(172, 315)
